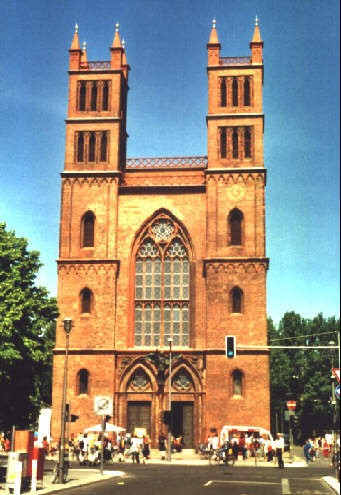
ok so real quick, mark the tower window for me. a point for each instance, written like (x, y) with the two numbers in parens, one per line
(247, 99)
(93, 96)
(88, 230)
(82, 382)
(247, 142)
(82, 96)
(80, 147)
(86, 301)
(223, 93)
(235, 227)
(103, 154)
(236, 300)
(93, 102)
(223, 142)
(235, 92)
(237, 379)
(92, 147)
(105, 97)
(235, 144)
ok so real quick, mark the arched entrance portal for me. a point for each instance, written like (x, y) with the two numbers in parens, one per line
(144, 395)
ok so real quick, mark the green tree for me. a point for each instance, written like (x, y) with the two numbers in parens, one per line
(27, 316)
(302, 375)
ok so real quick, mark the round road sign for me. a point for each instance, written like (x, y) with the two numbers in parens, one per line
(291, 404)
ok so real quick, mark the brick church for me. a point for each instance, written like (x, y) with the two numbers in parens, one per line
(153, 249)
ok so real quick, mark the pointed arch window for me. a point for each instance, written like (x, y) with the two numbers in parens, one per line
(236, 300)
(235, 92)
(235, 143)
(82, 96)
(247, 142)
(93, 102)
(223, 93)
(80, 147)
(247, 98)
(88, 236)
(86, 301)
(235, 228)
(237, 382)
(162, 286)
(82, 382)
(105, 96)
(92, 147)
(104, 141)
(223, 142)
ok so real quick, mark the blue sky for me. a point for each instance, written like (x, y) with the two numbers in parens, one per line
(167, 106)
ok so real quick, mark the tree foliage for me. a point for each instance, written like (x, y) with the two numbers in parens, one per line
(27, 327)
(303, 375)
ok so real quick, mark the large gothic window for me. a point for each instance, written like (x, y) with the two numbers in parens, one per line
(162, 286)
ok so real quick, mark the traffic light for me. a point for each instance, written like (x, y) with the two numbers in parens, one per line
(230, 346)
(67, 412)
(74, 418)
(166, 417)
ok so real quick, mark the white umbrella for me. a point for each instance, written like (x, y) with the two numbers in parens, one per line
(108, 427)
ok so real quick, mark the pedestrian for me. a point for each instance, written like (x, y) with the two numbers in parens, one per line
(145, 449)
(162, 446)
(242, 446)
(279, 447)
(307, 451)
(135, 449)
(235, 449)
(325, 448)
(121, 448)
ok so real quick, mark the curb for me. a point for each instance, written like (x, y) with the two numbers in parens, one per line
(76, 483)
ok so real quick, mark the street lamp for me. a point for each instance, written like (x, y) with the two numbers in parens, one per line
(170, 340)
(333, 401)
(61, 462)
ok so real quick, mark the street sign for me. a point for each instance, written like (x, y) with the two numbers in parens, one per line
(336, 372)
(291, 404)
(103, 405)
(337, 392)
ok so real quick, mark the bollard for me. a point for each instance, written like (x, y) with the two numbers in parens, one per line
(34, 476)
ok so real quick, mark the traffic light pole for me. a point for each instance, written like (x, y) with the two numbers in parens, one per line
(170, 401)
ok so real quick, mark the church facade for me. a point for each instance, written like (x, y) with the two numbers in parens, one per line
(160, 252)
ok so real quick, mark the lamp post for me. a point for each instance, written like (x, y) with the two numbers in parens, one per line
(333, 401)
(170, 340)
(61, 462)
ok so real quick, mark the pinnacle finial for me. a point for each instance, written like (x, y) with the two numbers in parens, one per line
(76, 28)
(123, 43)
(256, 21)
(84, 45)
(117, 27)
(213, 23)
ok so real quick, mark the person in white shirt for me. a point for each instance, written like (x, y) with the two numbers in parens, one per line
(279, 447)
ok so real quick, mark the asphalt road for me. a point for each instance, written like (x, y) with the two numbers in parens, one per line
(211, 480)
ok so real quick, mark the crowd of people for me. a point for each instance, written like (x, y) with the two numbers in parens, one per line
(244, 445)
(313, 448)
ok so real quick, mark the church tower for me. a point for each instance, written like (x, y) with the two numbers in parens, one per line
(236, 263)
(87, 266)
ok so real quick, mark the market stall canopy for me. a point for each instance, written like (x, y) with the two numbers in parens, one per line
(108, 427)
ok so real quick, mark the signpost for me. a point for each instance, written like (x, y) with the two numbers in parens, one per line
(291, 405)
(336, 372)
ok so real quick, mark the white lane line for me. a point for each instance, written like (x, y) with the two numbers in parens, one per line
(241, 482)
(285, 487)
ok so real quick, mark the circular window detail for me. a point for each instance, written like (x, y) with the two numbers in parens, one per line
(182, 381)
(162, 230)
(140, 380)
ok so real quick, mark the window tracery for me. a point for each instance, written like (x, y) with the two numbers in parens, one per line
(162, 286)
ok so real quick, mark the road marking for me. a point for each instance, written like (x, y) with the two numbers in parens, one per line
(285, 487)
(241, 482)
